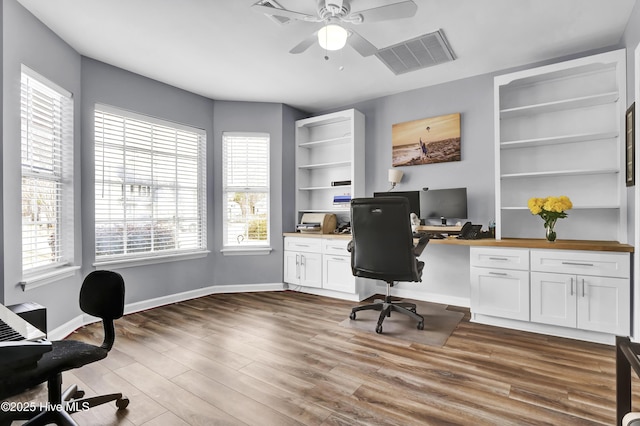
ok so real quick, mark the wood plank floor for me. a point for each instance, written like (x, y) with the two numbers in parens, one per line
(281, 359)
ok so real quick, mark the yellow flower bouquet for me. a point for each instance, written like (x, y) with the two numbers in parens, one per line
(550, 209)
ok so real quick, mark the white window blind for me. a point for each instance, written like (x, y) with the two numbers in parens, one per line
(46, 113)
(245, 160)
(150, 186)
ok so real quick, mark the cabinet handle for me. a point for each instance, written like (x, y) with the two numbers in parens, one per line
(339, 259)
(502, 274)
(297, 266)
(302, 245)
(498, 258)
(338, 248)
(583, 287)
(577, 264)
(571, 286)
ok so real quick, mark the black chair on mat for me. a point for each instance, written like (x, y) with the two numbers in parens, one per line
(101, 295)
(382, 248)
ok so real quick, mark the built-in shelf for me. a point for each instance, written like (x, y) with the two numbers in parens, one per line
(325, 165)
(341, 140)
(329, 148)
(560, 173)
(558, 140)
(575, 207)
(313, 188)
(334, 210)
(559, 131)
(564, 104)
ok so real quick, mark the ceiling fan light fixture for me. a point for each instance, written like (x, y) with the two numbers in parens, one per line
(332, 37)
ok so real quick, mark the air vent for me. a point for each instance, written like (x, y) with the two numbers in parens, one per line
(421, 52)
(277, 19)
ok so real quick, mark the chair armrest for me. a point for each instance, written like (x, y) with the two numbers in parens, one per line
(422, 243)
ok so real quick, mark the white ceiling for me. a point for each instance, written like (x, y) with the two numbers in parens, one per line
(224, 50)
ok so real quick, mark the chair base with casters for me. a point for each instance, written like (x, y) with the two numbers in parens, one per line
(386, 306)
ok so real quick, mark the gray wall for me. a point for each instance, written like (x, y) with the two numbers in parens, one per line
(277, 120)
(446, 273)
(106, 84)
(27, 41)
(630, 40)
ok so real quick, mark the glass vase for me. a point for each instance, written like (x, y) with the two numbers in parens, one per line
(551, 233)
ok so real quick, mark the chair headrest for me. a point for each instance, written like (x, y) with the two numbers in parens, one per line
(102, 294)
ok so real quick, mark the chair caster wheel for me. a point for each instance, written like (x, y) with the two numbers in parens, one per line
(352, 315)
(122, 403)
(421, 325)
(379, 329)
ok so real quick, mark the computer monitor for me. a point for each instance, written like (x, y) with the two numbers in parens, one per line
(443, 204)
(412, 196)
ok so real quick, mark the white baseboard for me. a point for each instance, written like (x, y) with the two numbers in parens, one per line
(81, 320)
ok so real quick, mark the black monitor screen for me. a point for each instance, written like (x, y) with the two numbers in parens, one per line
(443, 203)
(412, 196)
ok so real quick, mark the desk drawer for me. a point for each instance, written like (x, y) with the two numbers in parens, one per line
(335, 246)
(502, 258)
(602, 264)
(312, 245)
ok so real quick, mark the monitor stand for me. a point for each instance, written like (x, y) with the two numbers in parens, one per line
(444, 221)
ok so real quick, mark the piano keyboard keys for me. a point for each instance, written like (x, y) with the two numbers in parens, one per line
(8, 334)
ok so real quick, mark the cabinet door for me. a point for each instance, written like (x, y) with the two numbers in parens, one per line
(553, 298)
(311, 269)
(604, 304)
(292, 267)
(337, 275)
(500, 293)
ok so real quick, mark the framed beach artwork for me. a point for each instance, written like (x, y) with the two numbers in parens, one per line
(426, 141)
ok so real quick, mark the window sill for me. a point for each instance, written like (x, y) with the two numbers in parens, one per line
(34, 281)
(150, 260)
(246, 251)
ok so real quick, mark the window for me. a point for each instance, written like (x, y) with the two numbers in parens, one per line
(245, 163)
(149, 186)
(46, 114)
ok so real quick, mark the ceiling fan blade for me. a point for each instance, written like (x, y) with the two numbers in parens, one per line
(404, 9)
(360, 44)
(305, 44)
(268, 10)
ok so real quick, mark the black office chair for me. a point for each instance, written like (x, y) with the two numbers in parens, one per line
(101, 295)
(382, 248)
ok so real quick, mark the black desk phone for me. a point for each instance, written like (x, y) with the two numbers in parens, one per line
(470, 232)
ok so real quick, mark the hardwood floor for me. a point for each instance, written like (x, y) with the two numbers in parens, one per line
(281, 359)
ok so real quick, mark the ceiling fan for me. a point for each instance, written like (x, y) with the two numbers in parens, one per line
(334, 14)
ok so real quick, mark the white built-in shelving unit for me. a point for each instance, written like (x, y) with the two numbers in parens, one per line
(329, 148)
(559, 131)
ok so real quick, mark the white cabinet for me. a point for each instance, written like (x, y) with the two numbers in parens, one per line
(336, 266)
(500, 282)
(303, 262)
(572, 293)
(558, 131)
(329, 162)
(322, 265)
(585, 290)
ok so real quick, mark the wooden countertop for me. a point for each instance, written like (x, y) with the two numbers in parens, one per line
(537, 243)
(313, 235)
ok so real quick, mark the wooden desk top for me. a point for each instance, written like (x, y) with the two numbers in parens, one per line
(536, 243)
(539, 243)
